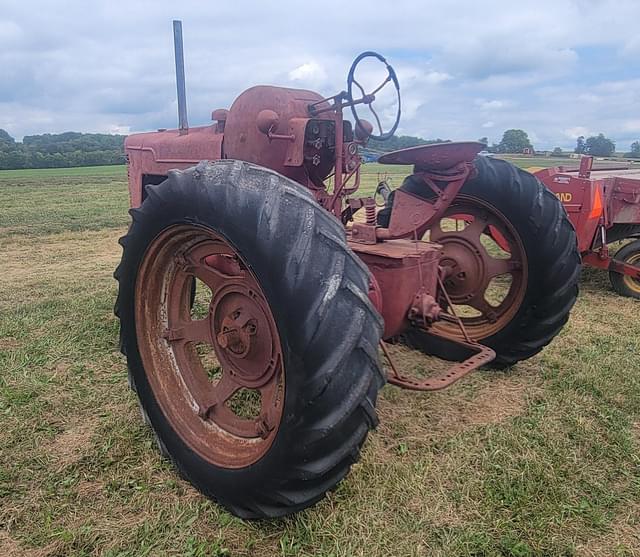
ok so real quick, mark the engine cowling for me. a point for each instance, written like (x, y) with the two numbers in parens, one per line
(283, 149)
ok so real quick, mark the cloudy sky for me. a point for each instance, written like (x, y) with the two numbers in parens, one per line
(467, 68)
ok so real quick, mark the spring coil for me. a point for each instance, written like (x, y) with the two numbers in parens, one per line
(370, 213)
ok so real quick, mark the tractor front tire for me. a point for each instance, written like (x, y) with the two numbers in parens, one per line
(624, 284)
(273, 253)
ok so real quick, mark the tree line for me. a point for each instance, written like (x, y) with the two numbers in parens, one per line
(396, 142)
(93, 149)
(61, 150)
(517, 141)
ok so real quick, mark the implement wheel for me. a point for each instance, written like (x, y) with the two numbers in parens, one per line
(263, 400)
(511, 264)
(624, 284)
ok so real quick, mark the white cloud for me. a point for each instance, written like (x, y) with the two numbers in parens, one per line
(436, 77)
(491, 105)
(118, 129)
(574, 133)
(308, 72)
(494, 62)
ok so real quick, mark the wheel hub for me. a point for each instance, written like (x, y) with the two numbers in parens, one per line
(479, 245)
(237, 330)
(243, 335)
(464, 266)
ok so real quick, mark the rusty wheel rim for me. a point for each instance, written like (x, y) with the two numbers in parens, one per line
(630, 282)
(482, 252)
(201, 369)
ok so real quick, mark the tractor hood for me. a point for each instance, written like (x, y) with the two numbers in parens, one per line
(169, 147)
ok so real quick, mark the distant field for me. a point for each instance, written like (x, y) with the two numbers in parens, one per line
(369, 170)
(118, 171)
(539, 460)
(545, 162)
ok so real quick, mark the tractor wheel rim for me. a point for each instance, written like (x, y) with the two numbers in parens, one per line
(630, 282)
(218, 379)
(478, 254)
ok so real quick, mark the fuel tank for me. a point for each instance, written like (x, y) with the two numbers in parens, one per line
(243, 140)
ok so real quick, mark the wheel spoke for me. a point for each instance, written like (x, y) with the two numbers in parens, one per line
(198, 330)
(204, 249)
(436, 232)
(210, 276)
(497, 267)
(260, 426)
(217, 395)
(382, 85)
(485, 308)
(213, 268)
(377, 118)
(364, 94)
(474, 229)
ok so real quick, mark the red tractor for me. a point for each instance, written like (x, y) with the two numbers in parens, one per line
(260, 383)
(604, 206)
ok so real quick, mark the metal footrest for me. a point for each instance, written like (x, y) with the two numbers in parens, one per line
(482, 355)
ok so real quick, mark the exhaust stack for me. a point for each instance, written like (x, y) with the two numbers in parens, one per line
(180, 82)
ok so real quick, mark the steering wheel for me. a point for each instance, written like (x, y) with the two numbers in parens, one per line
(369, 98)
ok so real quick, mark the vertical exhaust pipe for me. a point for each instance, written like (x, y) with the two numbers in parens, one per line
(182, 95)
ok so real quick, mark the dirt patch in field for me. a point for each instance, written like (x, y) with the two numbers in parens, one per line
(10, 548)
(90, 489)
(9, 343)
(67, 259)
(67, 447)
(503, 398)
(621, 538)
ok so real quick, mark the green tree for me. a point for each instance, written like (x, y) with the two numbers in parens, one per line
(5, 138)
(557, 152)
(61, 150)
(401, 142)
(635, 150)
(580, 145)
(484, 140)
(514, 141)
(600, 146)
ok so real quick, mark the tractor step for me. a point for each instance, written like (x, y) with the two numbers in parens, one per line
(481, 355)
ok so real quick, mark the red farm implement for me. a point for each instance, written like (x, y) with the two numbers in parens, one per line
(604, 206)
(256, 285)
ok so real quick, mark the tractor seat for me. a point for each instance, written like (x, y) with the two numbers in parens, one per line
(434, 157)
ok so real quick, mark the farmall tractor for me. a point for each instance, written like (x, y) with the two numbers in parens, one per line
(260, 383)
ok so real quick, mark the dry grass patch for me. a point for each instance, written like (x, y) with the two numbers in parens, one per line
(621, 536)
(70, 445)
(65, 261)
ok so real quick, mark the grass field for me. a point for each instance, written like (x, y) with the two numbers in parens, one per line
(542, 459)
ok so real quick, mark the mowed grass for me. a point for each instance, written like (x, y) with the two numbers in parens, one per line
(541, 459)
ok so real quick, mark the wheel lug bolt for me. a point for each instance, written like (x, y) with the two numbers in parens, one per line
(222, 340)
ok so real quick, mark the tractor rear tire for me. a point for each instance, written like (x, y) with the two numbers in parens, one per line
(553, 262)
(624, 284)
(315, 289)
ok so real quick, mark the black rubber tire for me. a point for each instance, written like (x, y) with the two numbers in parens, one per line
(617, 280)
(317, 289)
(551, 248)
